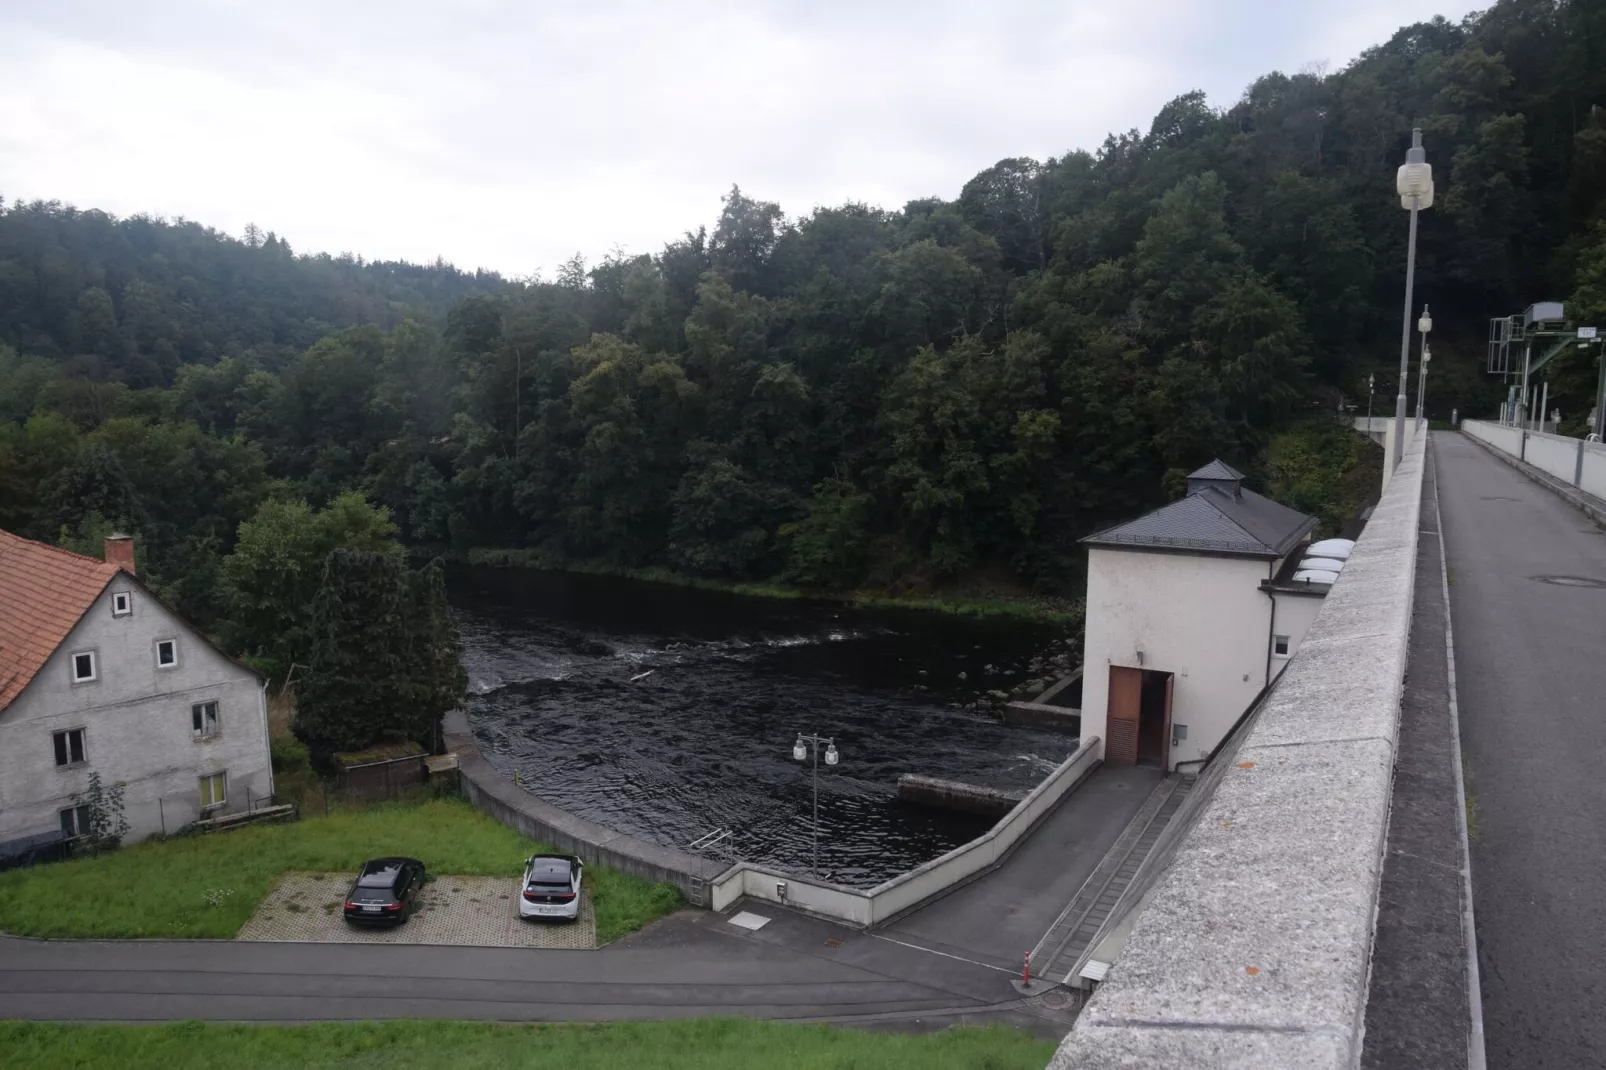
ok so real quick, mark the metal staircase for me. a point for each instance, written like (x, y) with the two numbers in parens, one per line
(1083, 919)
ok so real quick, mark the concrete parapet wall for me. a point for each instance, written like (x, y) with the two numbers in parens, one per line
(510, 804)
(1255, 947)
(1572, 461)
(908, 890)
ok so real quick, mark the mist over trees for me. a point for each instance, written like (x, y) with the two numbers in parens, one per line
(859, 395)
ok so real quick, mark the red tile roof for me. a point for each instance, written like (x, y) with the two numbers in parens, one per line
(44, 591)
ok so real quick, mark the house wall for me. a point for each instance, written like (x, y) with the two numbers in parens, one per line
(1203, 618)
(137, 724)
(1295, 612)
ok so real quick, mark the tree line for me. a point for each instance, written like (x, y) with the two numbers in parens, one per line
(855, 396)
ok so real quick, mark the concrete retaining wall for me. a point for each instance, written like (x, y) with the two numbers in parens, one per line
(1255, 947)
(956, 795)
(908, 890)
(510, 804)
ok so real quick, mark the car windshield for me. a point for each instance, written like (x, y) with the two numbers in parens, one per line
(379, 875)
(549, 871)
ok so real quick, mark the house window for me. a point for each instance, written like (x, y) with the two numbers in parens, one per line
(1279, 645)
(166, 653)
(203, 719)
(83, 666)
(122, 604)
(213, 791)
(75, 822)
(69, 746)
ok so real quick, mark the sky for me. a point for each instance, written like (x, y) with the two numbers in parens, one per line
(511, 135)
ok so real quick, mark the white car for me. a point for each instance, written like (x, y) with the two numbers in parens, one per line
(551, 887)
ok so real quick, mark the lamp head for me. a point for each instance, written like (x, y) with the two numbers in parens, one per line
(799, 751)
(1425, 324)
(830, 754)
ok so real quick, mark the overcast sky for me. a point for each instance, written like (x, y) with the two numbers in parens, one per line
(510, 135)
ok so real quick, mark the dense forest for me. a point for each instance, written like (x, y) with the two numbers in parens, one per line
(855, 396)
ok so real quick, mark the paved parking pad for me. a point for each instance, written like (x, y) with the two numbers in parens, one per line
(461, 911)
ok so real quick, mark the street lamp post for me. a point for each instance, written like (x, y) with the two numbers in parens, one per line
(1371, 388)
(1425, 324)
(1414, 184)
(801, 750)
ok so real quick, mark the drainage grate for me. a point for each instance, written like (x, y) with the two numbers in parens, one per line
(1499, 498)
(833, 942)
(1572, 581)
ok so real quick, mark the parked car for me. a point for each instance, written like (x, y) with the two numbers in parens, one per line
(551, 887)
(385, 891)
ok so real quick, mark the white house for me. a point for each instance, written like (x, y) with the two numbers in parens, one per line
(96, 674)
(1191, 611)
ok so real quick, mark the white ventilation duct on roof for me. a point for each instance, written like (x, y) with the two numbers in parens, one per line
(1315, 575)
(1339, 549)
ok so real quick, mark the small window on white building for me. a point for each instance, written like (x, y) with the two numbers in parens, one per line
(83, 666)
(1279, 645)
(203, 719)
(75, 822)
(214, 790)
(166, 653)
(69, 746)
(122, 604)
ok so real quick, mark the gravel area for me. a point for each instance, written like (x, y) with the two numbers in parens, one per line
(464, 911)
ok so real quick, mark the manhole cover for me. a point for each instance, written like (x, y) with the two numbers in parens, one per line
(1572, 581)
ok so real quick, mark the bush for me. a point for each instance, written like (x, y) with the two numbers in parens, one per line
(289, 756)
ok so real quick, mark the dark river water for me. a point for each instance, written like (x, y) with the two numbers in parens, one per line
(704, 741)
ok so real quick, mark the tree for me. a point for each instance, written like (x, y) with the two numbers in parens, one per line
(272, 578)
(384, 654)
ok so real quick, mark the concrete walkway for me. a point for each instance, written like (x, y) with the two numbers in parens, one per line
(1000, 917)
(1528, 604)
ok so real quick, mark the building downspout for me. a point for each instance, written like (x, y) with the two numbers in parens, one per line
(262, 704)
(1271, 630)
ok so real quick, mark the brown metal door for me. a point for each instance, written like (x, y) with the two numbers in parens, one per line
(1165, 736)
(1126, 702)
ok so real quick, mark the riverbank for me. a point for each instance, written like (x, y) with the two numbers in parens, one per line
(1032, 608)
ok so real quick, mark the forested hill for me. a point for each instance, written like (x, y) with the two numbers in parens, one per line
(856, 395)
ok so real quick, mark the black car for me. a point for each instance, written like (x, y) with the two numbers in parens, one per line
(385, 891)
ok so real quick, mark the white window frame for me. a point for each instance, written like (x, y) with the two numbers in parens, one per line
(94, 666)
(125, 599)
(77, 812)
(83, 747)
(222, 799)
(1287, 642)
(156, 652)
(198, 710)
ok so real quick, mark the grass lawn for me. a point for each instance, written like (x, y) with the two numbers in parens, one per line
(207, 886)
(698, 1044)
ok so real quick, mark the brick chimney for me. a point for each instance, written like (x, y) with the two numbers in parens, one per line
(120, 551)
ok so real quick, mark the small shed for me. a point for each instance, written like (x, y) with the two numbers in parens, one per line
(381, 771)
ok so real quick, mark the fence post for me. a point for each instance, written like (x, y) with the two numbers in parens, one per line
(161, 816)
(1578, 469)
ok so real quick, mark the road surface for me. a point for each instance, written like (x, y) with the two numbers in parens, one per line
(1528, 606)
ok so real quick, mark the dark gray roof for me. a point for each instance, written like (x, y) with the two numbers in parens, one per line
(1217, 469)
(1214, 519)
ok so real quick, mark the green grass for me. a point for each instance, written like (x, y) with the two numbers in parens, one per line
(160, 888)
(1027, 608)
(697, 1044)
